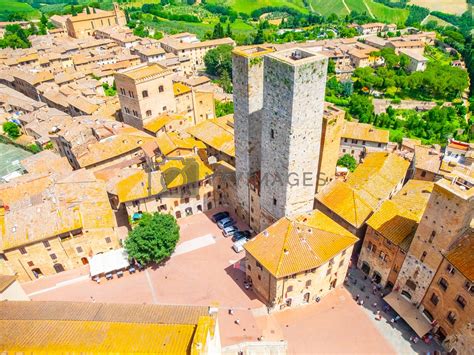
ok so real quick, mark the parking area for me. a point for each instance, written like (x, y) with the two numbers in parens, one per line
(205, 270)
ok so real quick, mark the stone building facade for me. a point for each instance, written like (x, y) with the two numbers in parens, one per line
(247, 65)
(333, 126)
(298, 260)
(294, 86)
(145, 91)
(448, 214)
(51, 230)
(448, 302)
(84, 25)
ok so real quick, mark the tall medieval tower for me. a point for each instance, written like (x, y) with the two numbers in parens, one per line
(293, 104)
(247, 65)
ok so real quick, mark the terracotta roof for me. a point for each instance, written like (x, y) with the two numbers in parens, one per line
(398, 218)
(157, 123)
(216, 133)
(103, 328)
(365, 132)
(427, 158)
(145, 71)
(6, 281)
(462, 257)
(370, 184)
(180, 89)
(291, 246)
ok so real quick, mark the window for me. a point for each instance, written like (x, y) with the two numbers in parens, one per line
(434, 299)
(23, 250)
(46, 244)
(371, 247)
(259, 277)
(345, 140)
(79, 249)
(122, 91)
(341, 263)
(274, 202)
(423, 173)
(145, 93)
(272, 134)
(148, 113)
(379, 145)
(249, 267)
(259, 265)
(329, 272)
(161, 88)
(423, 256)
(468, 286)
(289, 289)
(130, 94)
(443, 284)
(53, 256)
(344, 252)
(354, 141)
(108, 240)
(382, 256)
(3, 256)
(432, 236)
(450, 269)
(451, 317)
(461, 301)
(30, 263)
(186, 200)
(363, 142)
(164, 108)
(308, 283)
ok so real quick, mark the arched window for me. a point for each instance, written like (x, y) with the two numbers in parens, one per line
(406, 294)
(161, 88)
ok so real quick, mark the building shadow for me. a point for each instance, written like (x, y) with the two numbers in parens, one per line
(239, 277)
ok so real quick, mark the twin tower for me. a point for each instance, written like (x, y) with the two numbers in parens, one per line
(278, 113)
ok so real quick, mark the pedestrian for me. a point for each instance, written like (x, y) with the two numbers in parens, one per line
(237, 321)
(361, 302)
(378, 316)
(357, 298)
(92, 299)
(374, 305)
(231, 311)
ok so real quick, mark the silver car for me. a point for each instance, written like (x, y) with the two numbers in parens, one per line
(229, 231)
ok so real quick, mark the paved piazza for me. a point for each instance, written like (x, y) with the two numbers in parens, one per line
(205, 270)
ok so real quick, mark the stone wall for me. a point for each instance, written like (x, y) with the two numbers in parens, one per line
(248, 103)
(291, 131)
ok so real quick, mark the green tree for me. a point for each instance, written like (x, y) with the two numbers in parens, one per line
(228, 32)
(331, 66)
(73, 11)
(11, 129)
(218, 31)
(88, 11)
(224, 108)
(259, 37)
(347, 161)
(43, 19)
(225, 81)
(153, 239)
(362, 107)
(218, 60)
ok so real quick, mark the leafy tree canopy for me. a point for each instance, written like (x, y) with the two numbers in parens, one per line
(11, 129)
(153, 239)
(347, 161)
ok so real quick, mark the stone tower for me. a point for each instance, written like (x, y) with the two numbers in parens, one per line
(447, 216)
(247, 65)
(294, 87)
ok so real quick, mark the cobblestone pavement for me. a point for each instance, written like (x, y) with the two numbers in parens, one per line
(399, 333)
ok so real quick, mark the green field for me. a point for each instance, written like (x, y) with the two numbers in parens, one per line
(13, 6)
(328, 7)
(387, 14)
(247, 6)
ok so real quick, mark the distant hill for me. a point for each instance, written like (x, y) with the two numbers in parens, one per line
(8, 7)
(247, 6)
(455, 7)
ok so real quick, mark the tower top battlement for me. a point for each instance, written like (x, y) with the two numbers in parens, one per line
(252, 51)
(297, 56)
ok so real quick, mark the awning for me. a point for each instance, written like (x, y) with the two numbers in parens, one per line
(109, 261)
(409, 313)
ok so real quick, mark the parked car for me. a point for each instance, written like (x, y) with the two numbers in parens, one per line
(225, 222)
(240, 234)
(238, 246)
(220, 215)
(229, 231)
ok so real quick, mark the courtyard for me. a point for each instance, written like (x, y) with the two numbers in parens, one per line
(204, 270)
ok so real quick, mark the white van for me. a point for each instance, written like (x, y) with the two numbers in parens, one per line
(239, 245)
